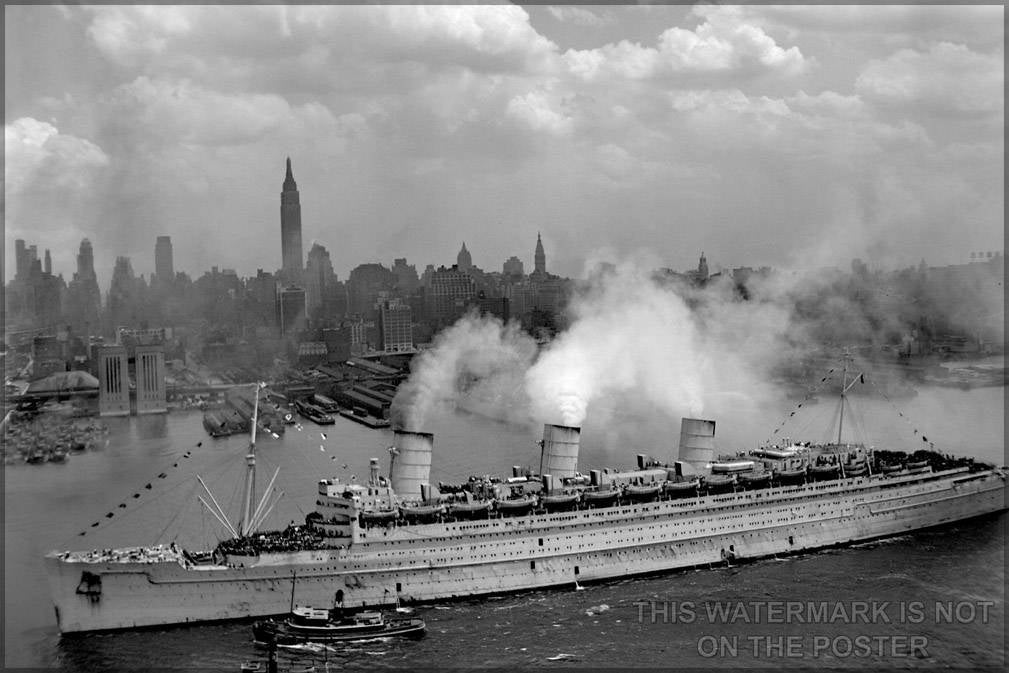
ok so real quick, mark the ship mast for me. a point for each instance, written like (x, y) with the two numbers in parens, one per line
(250, 475)
(845, 387)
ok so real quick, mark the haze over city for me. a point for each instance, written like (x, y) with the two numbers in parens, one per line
(792, 137)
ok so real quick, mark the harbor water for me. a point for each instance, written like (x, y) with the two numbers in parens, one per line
(955, 573)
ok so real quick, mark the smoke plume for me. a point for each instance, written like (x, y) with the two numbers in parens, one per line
(475, 352)
(636, 339)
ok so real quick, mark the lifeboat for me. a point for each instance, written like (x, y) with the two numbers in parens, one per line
(796, 476)
(379, 517)
(824, 472)
(719, 483)
(470, 510)
(559, 502)
(599, 498)
(890, 469)
(920, 466)
(859, 470)
(755, 479)
(779, 454)
(642, 493)
(515, 506)
(682, 489)
(732, 466)
(421, 513)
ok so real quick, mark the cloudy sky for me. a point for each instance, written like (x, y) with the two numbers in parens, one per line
(787, 136)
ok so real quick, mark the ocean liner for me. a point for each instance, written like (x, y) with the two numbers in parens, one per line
(400, 539)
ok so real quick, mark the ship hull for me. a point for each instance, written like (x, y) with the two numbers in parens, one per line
(459, 559)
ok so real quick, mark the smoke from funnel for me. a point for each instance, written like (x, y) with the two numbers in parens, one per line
(475, 351)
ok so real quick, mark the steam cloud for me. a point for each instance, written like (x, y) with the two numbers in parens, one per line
(678, 351)
(474, 352)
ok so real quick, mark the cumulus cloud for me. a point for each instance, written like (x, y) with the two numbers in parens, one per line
(948, 78)
(723, 44)
(36, 154)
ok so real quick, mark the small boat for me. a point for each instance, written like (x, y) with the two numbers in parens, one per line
(515, 506)
(642, 493)
(823, 472)
(859, 470)
(559, 502)
(730, 466)
(682, 489)
(418, 513)
(890, 469)
(599, 498)
(917, 465)
(470, 510)
(379, 517)
(796, 476)
(317, 625)
(313, 413)
(755, 479)
(719, 483)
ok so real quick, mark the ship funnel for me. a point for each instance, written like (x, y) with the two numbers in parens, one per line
(373, 470)
(560, 450)
(697, 441)
(411, 462)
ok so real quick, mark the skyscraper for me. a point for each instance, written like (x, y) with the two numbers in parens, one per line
(20, 259)
(540, 258)
(85, 261)
(164, 266)
(318, 277)
(290, 228)
(464, 260)
(513, 267)
(84, 300)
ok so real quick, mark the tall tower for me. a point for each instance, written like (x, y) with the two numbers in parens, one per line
(702, 268)
(540, 258)
(86, 261)
(48, 264)
(20, 259)
(164, 266)
(464, 260)
(290, 228)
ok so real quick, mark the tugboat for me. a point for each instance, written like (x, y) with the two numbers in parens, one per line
(318, 625)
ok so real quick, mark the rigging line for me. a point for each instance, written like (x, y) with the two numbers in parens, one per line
(153, 497)
(890, 402)
(834, 420)
(178, 511)
(809, 395)
(128, 513)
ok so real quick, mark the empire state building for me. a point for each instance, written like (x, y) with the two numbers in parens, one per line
(290, 229)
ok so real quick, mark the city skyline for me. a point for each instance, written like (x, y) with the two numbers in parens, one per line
(763, 136)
